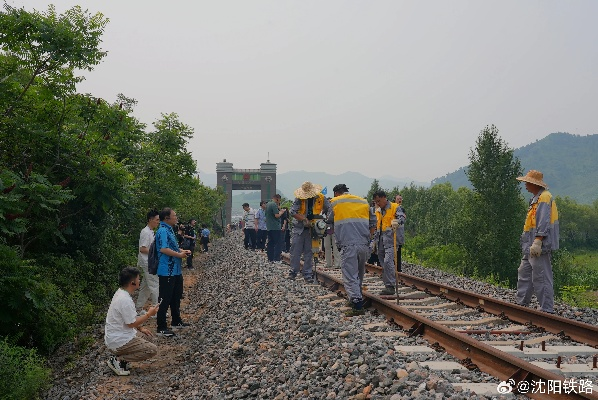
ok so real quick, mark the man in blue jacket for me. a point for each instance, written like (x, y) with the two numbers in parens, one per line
(170, 274)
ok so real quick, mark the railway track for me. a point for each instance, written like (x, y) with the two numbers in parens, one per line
(436, 312)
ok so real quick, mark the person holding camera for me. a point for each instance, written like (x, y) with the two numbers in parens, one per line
(120, 334)
(170, 274)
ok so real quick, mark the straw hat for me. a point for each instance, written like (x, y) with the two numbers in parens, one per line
(535, 177)
(307, 190)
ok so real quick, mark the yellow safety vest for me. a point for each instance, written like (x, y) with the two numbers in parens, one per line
(318, 205)
(387, 218)
(530, 220)
(348, 206)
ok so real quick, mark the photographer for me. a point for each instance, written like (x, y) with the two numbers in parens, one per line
(170, 274)
(120, 334)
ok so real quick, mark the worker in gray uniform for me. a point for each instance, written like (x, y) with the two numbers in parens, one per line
(539, 239)
(389, 217)
(354, 224)
(309, 206)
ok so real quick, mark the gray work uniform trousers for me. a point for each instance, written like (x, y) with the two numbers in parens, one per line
(535, 276)
(301, 244)
(330, 249)
(353, 258)
(386, 257)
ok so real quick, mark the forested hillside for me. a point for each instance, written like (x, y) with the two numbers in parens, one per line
(475, 231)
(78, 174)
(568, 162)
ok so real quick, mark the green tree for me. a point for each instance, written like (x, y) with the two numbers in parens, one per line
(167, 169)
(202, 203)
(373, 189)
(578, 224)
(77, 175)
(496, 212)
(48, 47)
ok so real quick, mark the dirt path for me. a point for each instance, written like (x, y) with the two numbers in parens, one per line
(89, 370)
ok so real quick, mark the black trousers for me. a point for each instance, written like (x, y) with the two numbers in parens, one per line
(190, 256)
(250, 238)
(170, 292)
(287, 240)
(274, 245)
(262, 235)
(204, 242)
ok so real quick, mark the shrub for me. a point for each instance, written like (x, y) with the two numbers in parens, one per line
(563, 270)
(36, 312)
(578, 296)
(23, 372)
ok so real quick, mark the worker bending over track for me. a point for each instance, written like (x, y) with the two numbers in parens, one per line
(308, 209)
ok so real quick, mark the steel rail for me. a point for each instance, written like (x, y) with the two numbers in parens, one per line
(474, 354)
(578, 331)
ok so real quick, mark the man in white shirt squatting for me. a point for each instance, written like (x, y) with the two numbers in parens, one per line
(120, 335)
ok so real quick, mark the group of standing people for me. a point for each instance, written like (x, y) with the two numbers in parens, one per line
(346, 223)
(266, 225)
(187, 237)
(124, 335)
(352, 227)
(358, 229)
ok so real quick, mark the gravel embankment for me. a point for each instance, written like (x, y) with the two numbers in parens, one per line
(256, 334)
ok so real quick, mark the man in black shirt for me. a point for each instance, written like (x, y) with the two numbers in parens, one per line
(189, 241)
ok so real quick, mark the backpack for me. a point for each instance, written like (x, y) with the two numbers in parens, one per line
(153, 259)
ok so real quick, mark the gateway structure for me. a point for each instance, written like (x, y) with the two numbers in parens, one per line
(229, 179)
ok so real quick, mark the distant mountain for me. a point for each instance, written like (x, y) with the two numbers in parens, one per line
(287, 182)
(357, 183)
(207, 179)
(569, 164)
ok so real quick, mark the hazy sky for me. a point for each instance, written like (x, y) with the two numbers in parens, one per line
(400, 88)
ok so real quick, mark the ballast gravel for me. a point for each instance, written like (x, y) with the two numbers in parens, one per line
(257, 335)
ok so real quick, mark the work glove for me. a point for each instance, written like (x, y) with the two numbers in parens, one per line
(536, 248)
(378, 210)
(394, 224)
